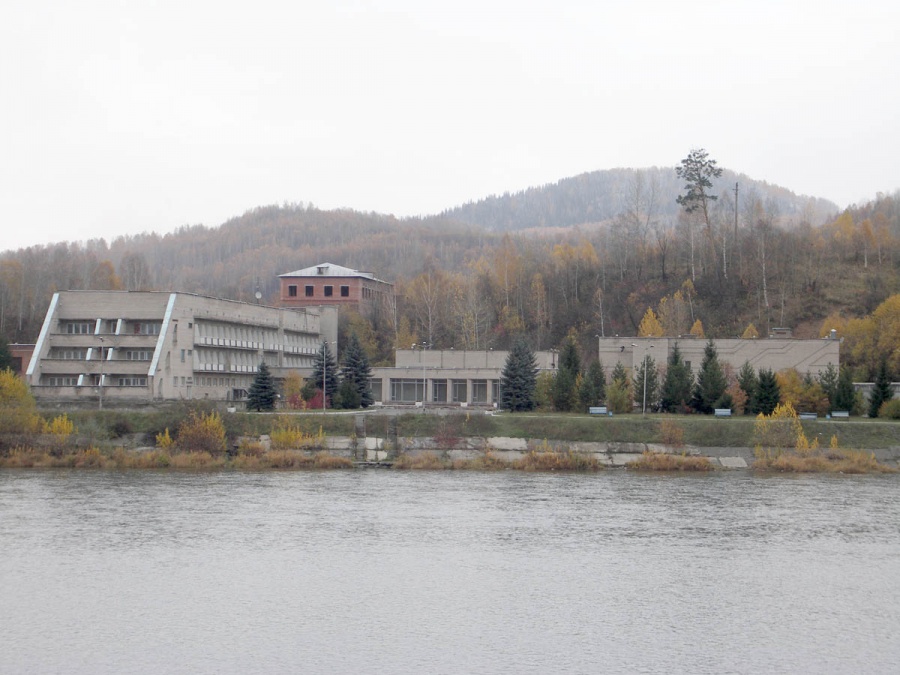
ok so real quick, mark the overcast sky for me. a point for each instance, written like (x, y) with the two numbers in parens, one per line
(126, 116)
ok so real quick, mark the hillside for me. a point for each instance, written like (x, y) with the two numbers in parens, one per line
(463, 281)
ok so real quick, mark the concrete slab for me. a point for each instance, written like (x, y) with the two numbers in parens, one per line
(733, 462)
(506, 443)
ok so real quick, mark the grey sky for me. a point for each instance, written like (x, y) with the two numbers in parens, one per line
(124, 117)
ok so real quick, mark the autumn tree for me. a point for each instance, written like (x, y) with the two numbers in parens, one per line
(650, 325)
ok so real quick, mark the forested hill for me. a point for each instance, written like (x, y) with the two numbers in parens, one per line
(466, 286)
(600, 196)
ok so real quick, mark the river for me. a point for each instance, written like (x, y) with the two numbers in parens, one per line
(378, 571)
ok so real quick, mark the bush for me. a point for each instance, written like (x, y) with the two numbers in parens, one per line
(203, 432)
(890, 409)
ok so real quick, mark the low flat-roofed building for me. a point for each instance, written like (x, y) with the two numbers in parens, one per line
(472, 378)
(132, 346)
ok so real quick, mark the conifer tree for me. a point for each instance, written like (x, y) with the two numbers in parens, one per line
(711, 383)
(518, 379)
(564, 385)
(593, 387)
(262, 390)
(356, 374)
(646, 391)
(748, 383)
(676, 390)
(845, 394)
(768, 393)
(828, 380)
(325, 363)
(882, 390)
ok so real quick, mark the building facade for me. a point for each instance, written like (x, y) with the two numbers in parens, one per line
(446, 377)
(806, 356)
(333, 285)
(472, 378)
(156, 346)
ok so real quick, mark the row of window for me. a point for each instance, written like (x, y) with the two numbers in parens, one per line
(80, 354)
(410, 390)
(72, 381)
(87, 327)
(310, 291)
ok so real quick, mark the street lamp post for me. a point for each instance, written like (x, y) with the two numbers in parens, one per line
(325, 374)
(644, 368)
(100, 388)
(424, 377)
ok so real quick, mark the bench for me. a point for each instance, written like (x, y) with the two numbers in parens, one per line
(808, 416)
(723, 412)
(598, 410)
(840, 413)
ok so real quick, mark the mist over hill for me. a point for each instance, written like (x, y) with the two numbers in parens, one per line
(600, 196)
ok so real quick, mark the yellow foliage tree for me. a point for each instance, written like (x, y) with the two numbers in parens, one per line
(697, 329)
(875, 338)
(18, 412)
(650, 325)
(750, 332)
(674, 314)
(833, 321)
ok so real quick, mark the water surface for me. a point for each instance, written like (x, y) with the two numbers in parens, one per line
(390, 572)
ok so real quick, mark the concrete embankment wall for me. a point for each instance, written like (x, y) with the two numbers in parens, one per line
(510, 449)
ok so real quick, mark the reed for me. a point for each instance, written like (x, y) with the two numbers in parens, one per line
(662, 461)
(426, 461)
(557, 461)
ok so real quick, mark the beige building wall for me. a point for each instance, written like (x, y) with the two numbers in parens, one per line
(807, 356)
(145, 346)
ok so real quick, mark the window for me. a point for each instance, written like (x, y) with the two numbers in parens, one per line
(329, 291)
(308, 291)
(78, 328)
(137, 355)
(70, 354)
(61, 381)
(292, 291)
(132, 381)
(479, 391)
(439, 391)
(460, 391)
(345, 291)
(182, 356)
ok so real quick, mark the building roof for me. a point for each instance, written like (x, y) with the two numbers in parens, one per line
(331, 270)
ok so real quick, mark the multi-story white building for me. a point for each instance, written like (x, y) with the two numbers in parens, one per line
(151, 346)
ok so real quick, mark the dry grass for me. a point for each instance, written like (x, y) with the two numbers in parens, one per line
(425, 461)
(832, 461)
(661, 461)
(557, 461)
(487, 461)
(119, 458)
